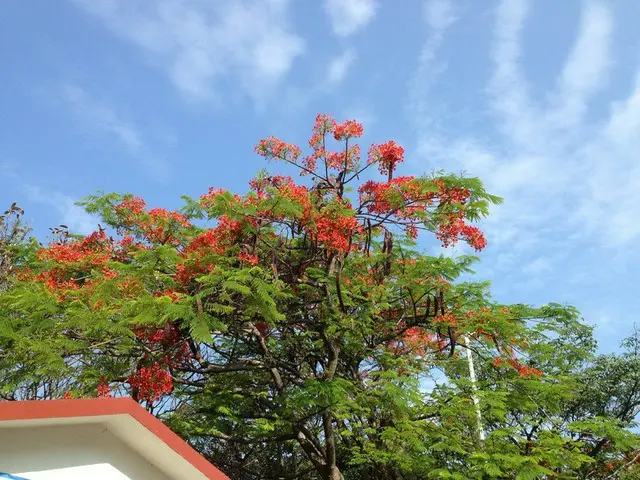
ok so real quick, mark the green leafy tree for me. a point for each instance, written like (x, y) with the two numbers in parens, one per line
(13, 235)
(297, 331)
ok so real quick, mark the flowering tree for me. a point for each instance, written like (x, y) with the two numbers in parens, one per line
(13, 233)
(293, 332)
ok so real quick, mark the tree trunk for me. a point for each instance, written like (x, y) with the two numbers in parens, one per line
(334, 474)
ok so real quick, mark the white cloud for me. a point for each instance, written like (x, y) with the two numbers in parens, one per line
(296, 99)
(363, 113)
(103, 117)
(349, 16)
(202, 43)
(510, 95)
(568, 175)
(587, 67)
(70, 214)
(439, 15)
(339, 67)
(624, 124)
(538, 266)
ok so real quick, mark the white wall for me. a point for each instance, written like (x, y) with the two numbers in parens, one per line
(83, 472)
(71, 452)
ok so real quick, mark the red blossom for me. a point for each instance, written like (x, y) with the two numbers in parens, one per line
(335, 230)
(128, 206)
(453, 228)
(74, 261)
(248, 258)
(104, 390)
(324, 124)
(275, 148)
(217, 239)
(347, 129)
(412, 231)
(151, 382)
(382, 197)
(523, 371)
(448, 319)
(388, 155)
(168, 340)
(345, 159)
(158, 228)
(207, 199)
(156, 225)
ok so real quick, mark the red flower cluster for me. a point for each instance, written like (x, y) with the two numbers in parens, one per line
(209, 240)
(95, 248)
(347, 129)
(168, 340)
(214, 240)
(523, 371)
(189, 269)
(248, 258)
(285, 187)
(336, 232)
(274, 148)
(323, 125)
(130, 206)
(404, 197)
(452, 195)
(454, 227)
(172, 294)
(207, 199)
(447, 319)
(75, 260)
(217, 239)
(401, 194)
(418, 340)
(104, 391)
(388, 155)
(346, 159)
(158, 225)
(151, 382)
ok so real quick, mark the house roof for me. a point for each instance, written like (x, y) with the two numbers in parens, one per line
(126, 419)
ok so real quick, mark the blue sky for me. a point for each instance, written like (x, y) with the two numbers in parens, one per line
(541, 99)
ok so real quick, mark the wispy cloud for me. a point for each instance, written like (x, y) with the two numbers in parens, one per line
(612, 175)
(69, 213)
(564, 170)
(103, 117)
(509, 89)
(339, 67)
(439, 16)
(199, 44)
(297, 98)
(349, 16)
(363, 112)
(586, 69)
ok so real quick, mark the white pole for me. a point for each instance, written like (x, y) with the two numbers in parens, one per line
(474, 388)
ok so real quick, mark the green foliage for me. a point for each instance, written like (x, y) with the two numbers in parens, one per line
(306, 338)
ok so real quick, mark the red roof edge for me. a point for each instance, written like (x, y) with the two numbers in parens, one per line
(89, 407)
